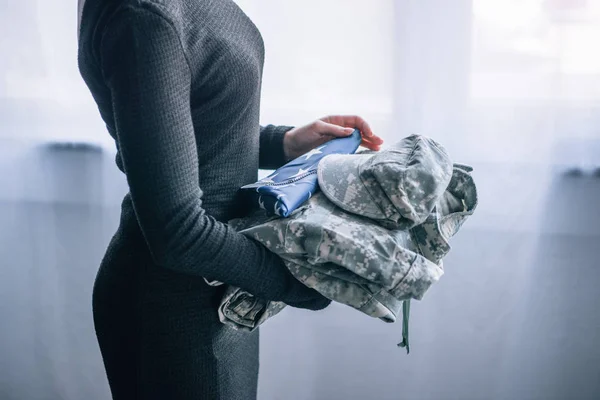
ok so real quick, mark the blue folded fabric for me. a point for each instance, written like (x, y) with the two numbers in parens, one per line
(295, 182)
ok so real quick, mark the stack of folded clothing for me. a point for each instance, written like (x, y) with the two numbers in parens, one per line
(373, 237)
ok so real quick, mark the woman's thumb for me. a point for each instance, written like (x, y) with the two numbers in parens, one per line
(328, 129)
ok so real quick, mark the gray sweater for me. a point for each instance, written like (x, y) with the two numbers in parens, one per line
(178, 85)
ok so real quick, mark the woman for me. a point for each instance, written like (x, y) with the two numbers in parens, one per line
(178, 86)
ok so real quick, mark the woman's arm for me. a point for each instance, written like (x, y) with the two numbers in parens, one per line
(280, 144)
(271, 152)
(149, 78)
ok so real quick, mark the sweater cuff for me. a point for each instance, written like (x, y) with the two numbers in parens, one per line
(271, 154)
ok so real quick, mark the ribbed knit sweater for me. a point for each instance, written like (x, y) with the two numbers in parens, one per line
(178, 84)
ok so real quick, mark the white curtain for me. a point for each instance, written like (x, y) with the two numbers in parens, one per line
(42, 95)
(325, 57)
(504, 84)
(494, 80)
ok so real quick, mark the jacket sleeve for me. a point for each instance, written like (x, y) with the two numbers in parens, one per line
(271, 154)
(149, 78)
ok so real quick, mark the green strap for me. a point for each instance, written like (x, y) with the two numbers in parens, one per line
(405, 316)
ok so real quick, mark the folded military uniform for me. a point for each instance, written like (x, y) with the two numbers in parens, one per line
(374, 236)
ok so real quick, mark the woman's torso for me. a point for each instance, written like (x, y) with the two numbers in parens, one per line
(225, 52)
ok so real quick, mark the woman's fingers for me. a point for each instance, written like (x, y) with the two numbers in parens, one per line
(354, 121)
(330, 129)
(370, 145)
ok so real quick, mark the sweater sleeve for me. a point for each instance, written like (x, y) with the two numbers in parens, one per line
(271, 154)
(148, 75)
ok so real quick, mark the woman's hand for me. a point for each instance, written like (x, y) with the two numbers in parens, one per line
(319, 302)
(300, 140)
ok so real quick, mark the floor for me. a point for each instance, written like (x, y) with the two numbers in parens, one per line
(514, 317)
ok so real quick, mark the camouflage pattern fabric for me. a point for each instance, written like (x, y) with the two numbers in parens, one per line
(375, 265)
(244, 311)
(397, 187)
(345, 257)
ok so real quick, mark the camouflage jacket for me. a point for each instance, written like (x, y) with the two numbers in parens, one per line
(352, 259)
